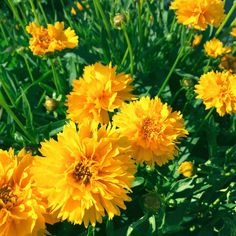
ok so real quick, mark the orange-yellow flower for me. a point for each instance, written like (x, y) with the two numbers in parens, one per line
(186, 169)
(152, 128)
(233, 32)
(22, 208)
(215, 48)
(228, 62)
(218, 89)
(197, 40)
(73, 11)
(99, 91)
(85, 174)
(199, 13)
(51, 39)
(79, 6)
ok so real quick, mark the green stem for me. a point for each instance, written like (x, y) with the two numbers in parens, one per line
(15, 13)
(106, 24)
(140, 25)
(199, 128)
(125, 55)
(34, 12)
(207, 65)
(130, 51)
(28, 68)
(3, 32)
(42, 11)
(171, 71)
(56, 78)
(14, 117)
(226, 19)
(65, 13)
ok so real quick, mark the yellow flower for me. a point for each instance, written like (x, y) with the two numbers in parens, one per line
(197, 40)
(22, 208)
(218, 89)
(214, 48)
(152, 128)
(186, 169)
(233, 32)
(98, 92)
(79, 6)
(51, 39)
(228, 62)
(85, 174)
(199, 13)
(73, 11)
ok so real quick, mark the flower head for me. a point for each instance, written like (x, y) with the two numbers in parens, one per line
(99, 91)
(22, 208)
(233, 32)
(197, 40)
(50, 39)
(152, 128)
(199, 13)
(85, 174)
(228, 62)
(218, 89)
(186, 169)
(214, 48)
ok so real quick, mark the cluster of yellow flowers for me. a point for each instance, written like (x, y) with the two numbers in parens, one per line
(51, 39)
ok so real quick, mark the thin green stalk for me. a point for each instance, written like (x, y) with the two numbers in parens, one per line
(171, 71)
(42, 11)
(14, 117)
(28, 68)
(125, 55)
(199, 128)
(207, 65)
(34, 11)
(65, 13)
(130, 51)
(97, 5)
(56, 78)
(3, 32)
(140, 30)
(23, 14)
(226, 19)
(15, 13)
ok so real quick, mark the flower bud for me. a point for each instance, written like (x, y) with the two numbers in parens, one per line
(51, 104)
(152, 202)
(119, 20)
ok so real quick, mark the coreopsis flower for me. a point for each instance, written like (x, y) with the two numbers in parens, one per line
(197, 40)
(218, 89)
(152, 129)
(99, 91)
(228, 62)
(51, 39)
(215, 48)
(85, 174)
(22, 208)
(199, 13)
(73, 11)
(233, 32)
(186, 168)
(79, 6)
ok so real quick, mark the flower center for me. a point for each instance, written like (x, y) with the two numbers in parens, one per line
(7, 198)
(150, 128)
(82, 173)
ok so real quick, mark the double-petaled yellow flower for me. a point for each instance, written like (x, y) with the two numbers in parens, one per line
(218, 89)
(233, 32)
(152, 129)
(186, 168)
(100, 91)
(85, 174)
(197, 40)
(51, 39)
(215, 48)
(199, 13)
(22, 209)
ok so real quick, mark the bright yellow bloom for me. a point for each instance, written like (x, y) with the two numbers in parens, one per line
(22, 208)
(233, 32)
(79, 6)
(214, 48)
(73, 11)
(51, 39)
(228, 62)
(98, 92)
(85, 174)
(152, 128)
(186, 169)
(197, 40)
(218, 89)
(199, 13)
